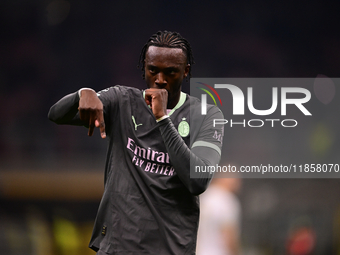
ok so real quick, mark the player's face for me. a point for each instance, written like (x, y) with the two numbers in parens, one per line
(166, 68)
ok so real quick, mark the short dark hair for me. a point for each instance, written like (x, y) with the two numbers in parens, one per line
(169, 40)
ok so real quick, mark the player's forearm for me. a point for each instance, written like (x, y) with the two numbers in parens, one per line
(182, 158)
(65, 110)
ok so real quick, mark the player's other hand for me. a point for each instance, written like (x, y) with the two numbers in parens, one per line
(91, 111)
(158, 101)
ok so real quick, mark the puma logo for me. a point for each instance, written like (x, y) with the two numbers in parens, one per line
(134, 122)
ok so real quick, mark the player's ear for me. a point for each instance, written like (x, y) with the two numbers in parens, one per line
(186, 70)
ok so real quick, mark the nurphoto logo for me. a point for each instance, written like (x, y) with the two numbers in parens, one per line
(273, 127)
(283, 96)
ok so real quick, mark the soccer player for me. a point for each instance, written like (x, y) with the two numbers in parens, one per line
(150, 204)
(220, 219)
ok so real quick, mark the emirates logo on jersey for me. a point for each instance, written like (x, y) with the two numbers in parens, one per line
(148, 160)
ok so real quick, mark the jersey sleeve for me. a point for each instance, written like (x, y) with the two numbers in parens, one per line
(210, 134)
(65, 111)
(205, 151)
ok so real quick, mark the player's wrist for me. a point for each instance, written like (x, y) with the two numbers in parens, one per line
(162, 118)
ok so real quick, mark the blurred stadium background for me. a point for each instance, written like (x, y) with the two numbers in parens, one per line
(51, 177)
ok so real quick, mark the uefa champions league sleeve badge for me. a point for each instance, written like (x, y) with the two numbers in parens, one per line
(184, 128)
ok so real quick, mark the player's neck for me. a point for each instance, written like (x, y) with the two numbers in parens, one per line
(174, 101)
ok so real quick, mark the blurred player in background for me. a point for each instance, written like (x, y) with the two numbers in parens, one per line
(150, 204)
(219, 227)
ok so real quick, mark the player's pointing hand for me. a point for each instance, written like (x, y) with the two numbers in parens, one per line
(91, 110)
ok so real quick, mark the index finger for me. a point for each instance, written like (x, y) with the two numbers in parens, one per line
(100, 123)
(91, 125)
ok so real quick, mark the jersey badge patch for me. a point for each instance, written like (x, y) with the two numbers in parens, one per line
(184, 128)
